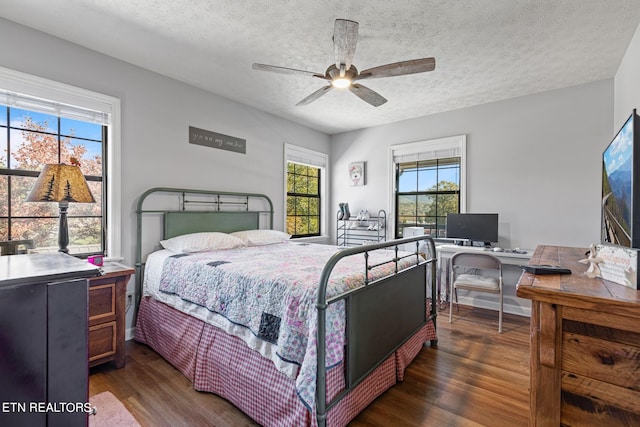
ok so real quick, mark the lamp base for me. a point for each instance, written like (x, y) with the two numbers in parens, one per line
(63, 229)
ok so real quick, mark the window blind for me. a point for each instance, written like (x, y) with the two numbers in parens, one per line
(304, 156)
(40, 105)
(428, 150)
(427, 155)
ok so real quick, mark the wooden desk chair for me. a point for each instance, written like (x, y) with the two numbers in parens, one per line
(473, 276)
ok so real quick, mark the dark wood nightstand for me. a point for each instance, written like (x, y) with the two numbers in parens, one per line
(107, 307)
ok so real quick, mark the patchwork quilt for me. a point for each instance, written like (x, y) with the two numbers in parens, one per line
(271, 291)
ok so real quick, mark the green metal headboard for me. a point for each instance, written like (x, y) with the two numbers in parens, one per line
(200, 211)
(178, 223)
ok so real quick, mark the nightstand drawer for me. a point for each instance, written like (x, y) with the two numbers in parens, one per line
(102, 303)
(102, 341)
(107, 314)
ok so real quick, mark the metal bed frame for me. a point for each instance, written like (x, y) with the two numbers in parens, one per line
(381, 315)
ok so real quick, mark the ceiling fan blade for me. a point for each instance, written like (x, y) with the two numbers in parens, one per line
(399, 69)
(345, 38)
(315, 95)
(285, 70)
(367, 95)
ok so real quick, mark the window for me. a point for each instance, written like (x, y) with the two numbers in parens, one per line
(305, 184)
(303, 200)
(43, 121)
(428, 183)
(426, 192)
(30, 140)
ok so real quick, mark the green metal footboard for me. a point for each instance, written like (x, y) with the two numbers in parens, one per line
(381, 316)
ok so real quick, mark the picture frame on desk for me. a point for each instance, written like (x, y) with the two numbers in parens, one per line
(618, 264)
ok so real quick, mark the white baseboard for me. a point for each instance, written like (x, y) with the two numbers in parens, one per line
(129, 333)
(511, 305)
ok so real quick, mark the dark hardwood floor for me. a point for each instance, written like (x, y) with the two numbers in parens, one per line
(474, 377)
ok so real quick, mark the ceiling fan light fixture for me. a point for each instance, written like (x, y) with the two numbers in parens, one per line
(342, 74)
(341, 83)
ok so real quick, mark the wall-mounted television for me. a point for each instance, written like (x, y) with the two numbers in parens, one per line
(475, 227)
(620, 209)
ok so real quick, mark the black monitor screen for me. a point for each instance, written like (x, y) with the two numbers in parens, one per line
(473, 226)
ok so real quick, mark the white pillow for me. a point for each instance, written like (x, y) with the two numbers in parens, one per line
(261, 237)
(201, 242)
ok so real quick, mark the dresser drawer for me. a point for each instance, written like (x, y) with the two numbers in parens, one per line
(613, 362)
(599, 370)
(102, 341)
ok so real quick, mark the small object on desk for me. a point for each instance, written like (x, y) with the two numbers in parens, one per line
(515, 251)
(96, 260)
(545, 269)
(497, 249)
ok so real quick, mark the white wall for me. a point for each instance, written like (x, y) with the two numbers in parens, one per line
(535, 160)
(156, 114)
(627, 84)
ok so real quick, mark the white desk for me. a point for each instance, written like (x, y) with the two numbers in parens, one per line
(512, 303)
(446, 251)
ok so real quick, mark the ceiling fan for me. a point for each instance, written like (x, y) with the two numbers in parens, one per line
(343, 74)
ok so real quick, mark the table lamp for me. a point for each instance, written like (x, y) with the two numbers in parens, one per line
(64, 184)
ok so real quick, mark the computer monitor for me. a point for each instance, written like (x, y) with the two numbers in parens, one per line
(475, 227)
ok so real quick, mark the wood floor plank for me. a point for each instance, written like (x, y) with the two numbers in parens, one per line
(474, 377)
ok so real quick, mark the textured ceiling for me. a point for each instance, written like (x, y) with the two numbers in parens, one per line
(486, 50)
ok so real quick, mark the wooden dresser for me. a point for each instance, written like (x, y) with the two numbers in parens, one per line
(585, 345)
(107, 308)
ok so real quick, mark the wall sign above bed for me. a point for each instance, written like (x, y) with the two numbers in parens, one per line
(217, 140)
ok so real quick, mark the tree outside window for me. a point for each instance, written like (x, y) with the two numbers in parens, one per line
(28, 141)
(426, 191)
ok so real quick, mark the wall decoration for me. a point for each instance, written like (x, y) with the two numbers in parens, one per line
(618, 264)
(356, 174)
(217, 140)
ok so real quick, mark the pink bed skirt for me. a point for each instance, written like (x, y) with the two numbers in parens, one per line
(223, 364)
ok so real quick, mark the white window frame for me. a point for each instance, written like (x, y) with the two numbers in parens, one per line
(22, 83)
(308, 157)
(451, 146)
